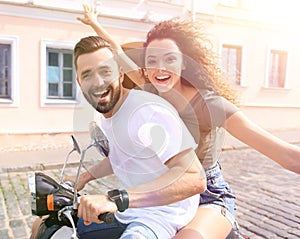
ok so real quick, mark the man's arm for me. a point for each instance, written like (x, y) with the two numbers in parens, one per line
(185, 178)
(101, 169)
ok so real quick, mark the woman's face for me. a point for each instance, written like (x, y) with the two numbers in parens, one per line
(164, 63)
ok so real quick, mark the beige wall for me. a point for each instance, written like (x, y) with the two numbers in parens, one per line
(272, 109)
(29, 116)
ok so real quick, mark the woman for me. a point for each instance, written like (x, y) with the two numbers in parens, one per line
(182, 70)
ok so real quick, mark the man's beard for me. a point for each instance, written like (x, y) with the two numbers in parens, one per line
(106, 107)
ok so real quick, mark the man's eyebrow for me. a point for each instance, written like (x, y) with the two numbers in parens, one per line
(85, 72)
(88, 71)
(103, 67)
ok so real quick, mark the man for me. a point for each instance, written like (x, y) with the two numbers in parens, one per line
(151, 153)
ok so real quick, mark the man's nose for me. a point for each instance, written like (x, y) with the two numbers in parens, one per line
(98, 80)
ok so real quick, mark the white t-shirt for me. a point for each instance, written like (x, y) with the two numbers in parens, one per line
(143, 134)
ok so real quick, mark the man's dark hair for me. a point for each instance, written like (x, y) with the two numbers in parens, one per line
(88, 45)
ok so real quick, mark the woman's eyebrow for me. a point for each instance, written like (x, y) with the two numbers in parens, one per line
(151, 56)
(166, 54)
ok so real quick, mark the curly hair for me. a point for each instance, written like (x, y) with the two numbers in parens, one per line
(202, 61)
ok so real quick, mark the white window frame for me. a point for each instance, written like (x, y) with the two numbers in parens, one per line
(44, 101)
(243, 82)
(13, 41)
(286, 82)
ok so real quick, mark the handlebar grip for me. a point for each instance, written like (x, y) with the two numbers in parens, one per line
(107, 217)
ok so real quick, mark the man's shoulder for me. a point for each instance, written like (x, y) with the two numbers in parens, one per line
(145, 96)
(142, 93)
(150, 104)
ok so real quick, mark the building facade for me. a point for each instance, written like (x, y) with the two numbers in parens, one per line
(40, 101)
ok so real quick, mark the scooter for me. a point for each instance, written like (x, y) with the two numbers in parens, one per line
(60, 200)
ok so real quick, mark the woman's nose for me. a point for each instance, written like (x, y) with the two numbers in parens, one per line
(161, 66)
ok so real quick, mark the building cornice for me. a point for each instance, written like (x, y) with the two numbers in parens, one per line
(69, 16)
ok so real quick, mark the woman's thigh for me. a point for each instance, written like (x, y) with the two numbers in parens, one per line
(208, 223)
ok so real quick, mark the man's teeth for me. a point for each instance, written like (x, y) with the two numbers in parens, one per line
(100, 93)
(162, 77)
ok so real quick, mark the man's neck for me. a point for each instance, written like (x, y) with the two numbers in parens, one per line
(123, 95)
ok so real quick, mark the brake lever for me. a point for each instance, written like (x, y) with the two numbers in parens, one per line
(67, 212)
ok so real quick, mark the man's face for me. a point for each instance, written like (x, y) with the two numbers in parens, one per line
(100, 79)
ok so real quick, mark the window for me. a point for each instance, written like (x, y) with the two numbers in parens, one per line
(5, 71)
(58, 84)
(8, 71)
(277, 69)
(60, 74)
(232, 63)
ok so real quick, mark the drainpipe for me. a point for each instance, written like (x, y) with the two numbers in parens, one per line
(193, 13)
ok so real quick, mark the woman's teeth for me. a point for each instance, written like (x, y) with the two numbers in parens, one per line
(162, 78)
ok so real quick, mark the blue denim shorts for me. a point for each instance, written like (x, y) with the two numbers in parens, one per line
(218, 194)
(138, 230)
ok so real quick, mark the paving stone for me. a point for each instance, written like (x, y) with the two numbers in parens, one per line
(294, 233)
(289, 223)
(273, 229)
(4, 234)
(18, 228)
(261, 232)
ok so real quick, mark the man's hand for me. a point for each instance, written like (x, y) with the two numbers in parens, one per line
(80, 184)
(83, 179)
(91, 206)
(90, 16)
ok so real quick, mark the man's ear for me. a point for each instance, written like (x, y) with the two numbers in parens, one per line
(77, 79)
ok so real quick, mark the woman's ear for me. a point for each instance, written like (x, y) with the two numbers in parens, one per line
(144, 72)
(183, 66)
(121, 74)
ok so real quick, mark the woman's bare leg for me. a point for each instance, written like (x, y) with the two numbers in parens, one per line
(207, 224)
(35, 228)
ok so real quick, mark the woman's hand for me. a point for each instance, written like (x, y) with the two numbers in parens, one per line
(90, 16)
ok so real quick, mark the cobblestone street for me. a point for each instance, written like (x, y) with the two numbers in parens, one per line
(268, 197)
